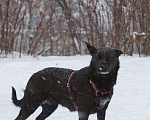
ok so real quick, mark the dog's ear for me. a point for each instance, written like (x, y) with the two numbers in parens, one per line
(118, 52)
(91, 49)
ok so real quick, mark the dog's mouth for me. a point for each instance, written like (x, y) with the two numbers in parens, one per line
(104, 73)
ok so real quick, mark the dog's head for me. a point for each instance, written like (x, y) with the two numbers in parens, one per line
(104, 60)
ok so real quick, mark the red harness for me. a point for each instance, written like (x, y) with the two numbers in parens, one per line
(68, 85)
(94, 87)
(97, 95)
(97, 90)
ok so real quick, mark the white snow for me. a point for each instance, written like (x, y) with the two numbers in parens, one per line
(131, 99)
(140, 34)
(43, 78)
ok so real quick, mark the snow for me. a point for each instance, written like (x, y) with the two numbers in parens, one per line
(43, 78)
(131, 99)
(136, 33)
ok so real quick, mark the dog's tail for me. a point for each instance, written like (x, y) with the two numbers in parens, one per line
(14, 98)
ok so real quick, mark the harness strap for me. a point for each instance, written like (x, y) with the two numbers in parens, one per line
(97, 90)
(68, 85)
(97, 93)
(94, 87)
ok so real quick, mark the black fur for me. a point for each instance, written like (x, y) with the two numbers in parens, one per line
(14, 98)
(48, 87)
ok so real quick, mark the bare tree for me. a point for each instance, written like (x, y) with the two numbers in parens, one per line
(59, 27)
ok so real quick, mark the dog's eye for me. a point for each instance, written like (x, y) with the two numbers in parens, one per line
(98, 57)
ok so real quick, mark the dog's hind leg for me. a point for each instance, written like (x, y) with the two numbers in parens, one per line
(26, 111)
(48, 107)
(29, 104)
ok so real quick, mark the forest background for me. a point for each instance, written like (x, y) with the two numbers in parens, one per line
(60, 27)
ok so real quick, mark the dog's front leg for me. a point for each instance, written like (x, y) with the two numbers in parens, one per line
(101, 115)
(83, 115)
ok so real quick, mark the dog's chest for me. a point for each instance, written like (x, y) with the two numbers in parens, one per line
(103, 102)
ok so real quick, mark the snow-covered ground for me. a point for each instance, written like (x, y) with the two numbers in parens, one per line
(131, 99)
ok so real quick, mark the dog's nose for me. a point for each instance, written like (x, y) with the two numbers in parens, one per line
(102, 68)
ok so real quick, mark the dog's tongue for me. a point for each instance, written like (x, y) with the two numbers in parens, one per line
(105, 72)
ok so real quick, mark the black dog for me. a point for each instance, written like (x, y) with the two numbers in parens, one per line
(88, 90)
